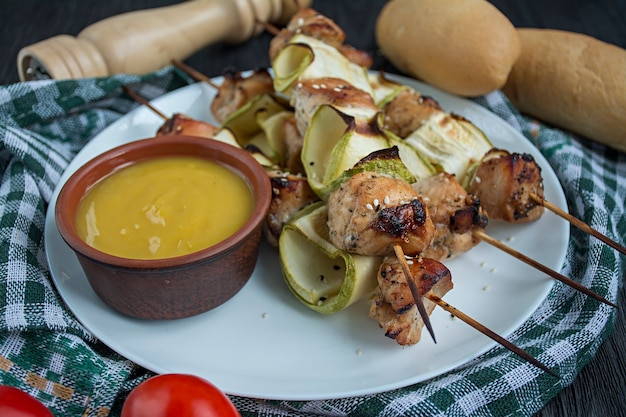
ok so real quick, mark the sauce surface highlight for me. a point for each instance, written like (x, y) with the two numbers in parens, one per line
(163, 208)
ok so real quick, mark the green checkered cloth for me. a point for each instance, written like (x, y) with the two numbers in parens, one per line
(45, 351)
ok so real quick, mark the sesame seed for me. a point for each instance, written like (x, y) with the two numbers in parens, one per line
(387, 200)
(477, 180)
(369, 206)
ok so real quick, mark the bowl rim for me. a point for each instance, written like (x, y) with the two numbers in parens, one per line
(248, 168)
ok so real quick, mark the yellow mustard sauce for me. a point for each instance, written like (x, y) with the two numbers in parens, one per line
(164, 207)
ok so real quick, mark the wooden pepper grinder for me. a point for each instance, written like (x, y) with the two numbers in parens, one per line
(146, 40)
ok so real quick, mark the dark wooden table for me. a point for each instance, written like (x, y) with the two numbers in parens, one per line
(600, 389)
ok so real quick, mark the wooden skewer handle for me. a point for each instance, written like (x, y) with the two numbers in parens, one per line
(578, 223)
(146, 40)
(541, 267)
(490, 333)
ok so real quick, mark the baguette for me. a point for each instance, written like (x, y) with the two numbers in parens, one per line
(572, 81)
(465, 47)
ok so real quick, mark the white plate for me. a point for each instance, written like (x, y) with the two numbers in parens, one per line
(265, 344)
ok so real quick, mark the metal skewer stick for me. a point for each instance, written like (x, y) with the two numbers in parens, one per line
(568, 281)
(578, 223)
(489, 333)
(417, 296)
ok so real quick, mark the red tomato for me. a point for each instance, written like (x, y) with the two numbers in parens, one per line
(177, 395)
(17, 403)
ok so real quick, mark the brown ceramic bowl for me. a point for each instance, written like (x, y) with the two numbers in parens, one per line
(175, 287)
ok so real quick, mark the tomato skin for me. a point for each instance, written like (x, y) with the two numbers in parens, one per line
(17, 403)
(177, 395)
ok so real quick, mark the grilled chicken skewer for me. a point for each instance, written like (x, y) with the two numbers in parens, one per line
(409, 109)
(311, 23)
(354, 244)
(504, 182)
(235, 91)
(460, 224)
(178, 124)
(393, 306)
(509, 185)
(362, 221)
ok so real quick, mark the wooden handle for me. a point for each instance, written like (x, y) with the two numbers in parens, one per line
(146, 40)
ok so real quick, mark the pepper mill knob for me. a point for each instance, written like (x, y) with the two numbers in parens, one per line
(146, 40)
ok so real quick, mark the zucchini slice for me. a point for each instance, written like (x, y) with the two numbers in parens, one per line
(323, 277)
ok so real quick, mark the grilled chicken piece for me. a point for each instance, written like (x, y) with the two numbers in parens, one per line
(179, 124)
(393, 305)
(290, 194)
(503, 182)
(293, 141)
(407, 111)
(455, 214)
(371, 213)
(236, 90)
(308, 95)
(356, 56)
(311, 23)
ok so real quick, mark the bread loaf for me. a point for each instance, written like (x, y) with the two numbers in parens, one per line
(573, 81)
(466, 47)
